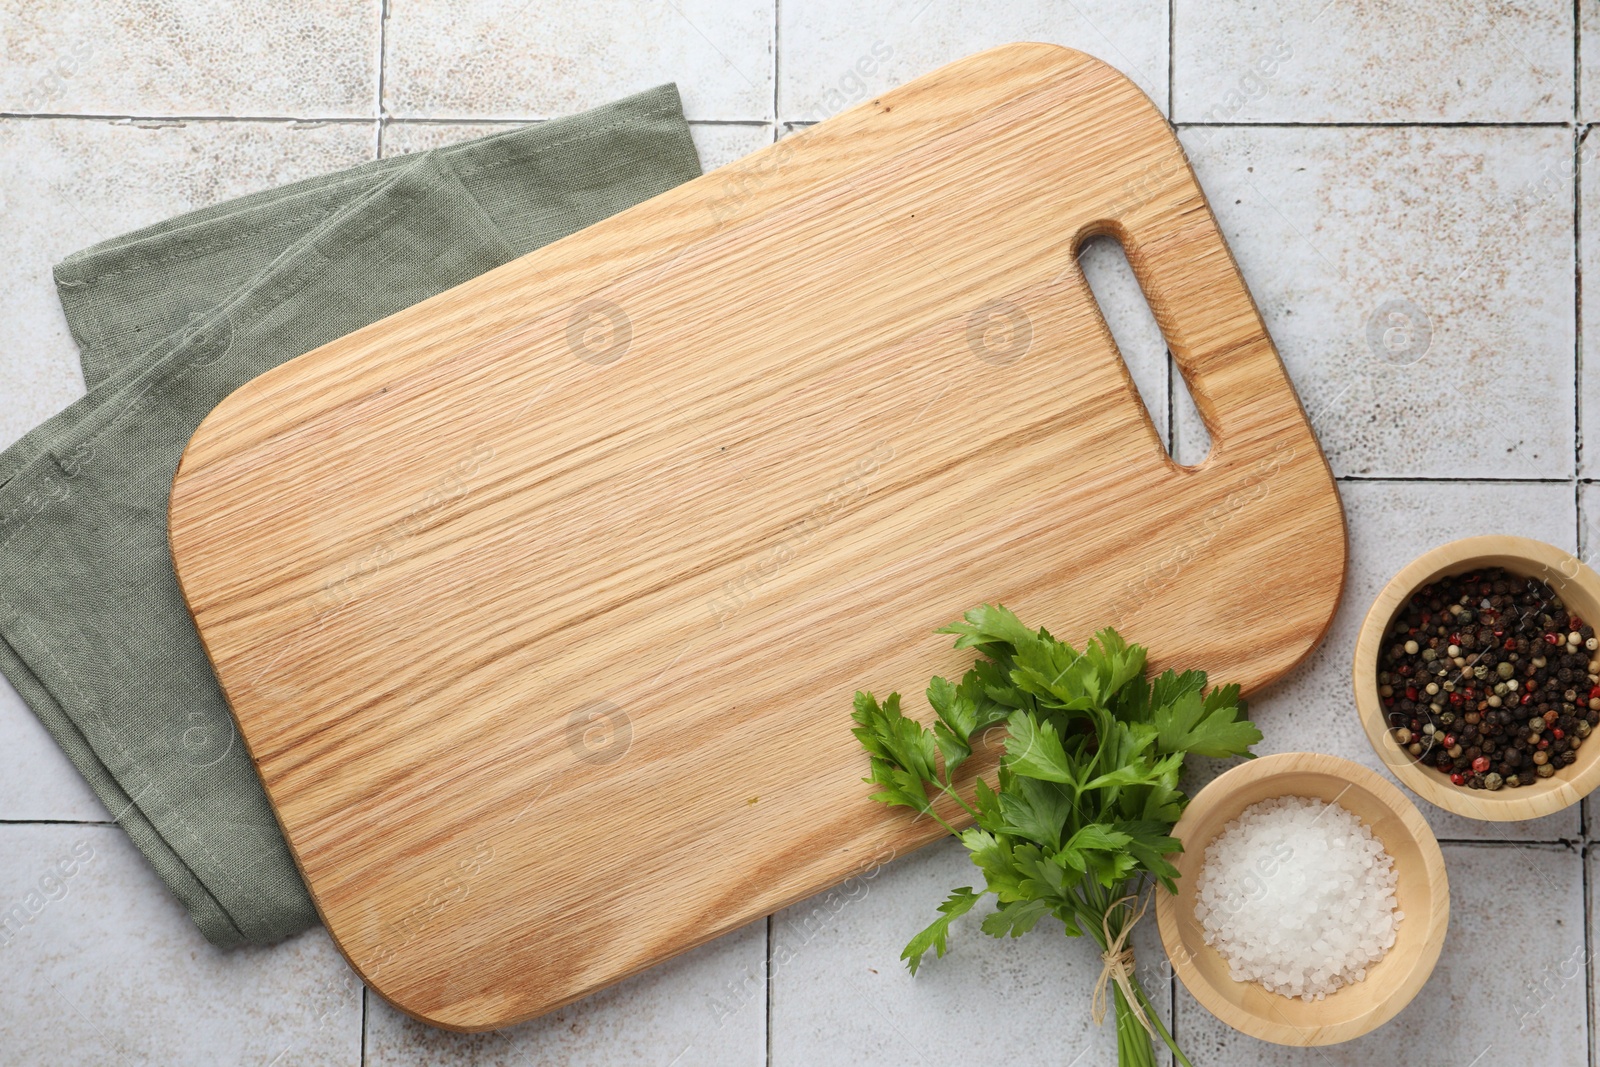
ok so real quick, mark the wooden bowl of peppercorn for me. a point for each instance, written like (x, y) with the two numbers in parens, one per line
(1477, 677)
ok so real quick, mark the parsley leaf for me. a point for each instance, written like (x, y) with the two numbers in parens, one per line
(934, 937)
(1206, 726)
(1033, 749)
(1080, 818)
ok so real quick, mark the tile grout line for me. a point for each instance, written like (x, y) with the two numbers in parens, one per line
(377, 103)
(1577, 330)
(1577, 60)
(1445, 479)
(1579, 135)
(1588, 955)
(766, 985)
(1172, 92)
(91, 116)
(331, 120)
(1513, 842)
(1398, 124)
(429, 120)
(1172, 1007)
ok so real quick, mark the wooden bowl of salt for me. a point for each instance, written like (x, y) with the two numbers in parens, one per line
(1422, 893)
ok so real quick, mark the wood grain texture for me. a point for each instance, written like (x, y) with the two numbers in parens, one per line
(1422, 892)
(540, 605)
(1573, 581)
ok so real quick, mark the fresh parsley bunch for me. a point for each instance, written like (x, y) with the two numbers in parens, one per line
(1088, 788)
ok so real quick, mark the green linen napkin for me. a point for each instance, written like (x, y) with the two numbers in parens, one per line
(93, 631)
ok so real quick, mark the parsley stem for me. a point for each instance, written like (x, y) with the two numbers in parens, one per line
(930, 813)
(1134, 1047)
(964, 806)
(1155, 1019)
(947, 790)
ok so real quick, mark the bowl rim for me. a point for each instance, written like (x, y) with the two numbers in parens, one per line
(1562, 570)
(1288, 765)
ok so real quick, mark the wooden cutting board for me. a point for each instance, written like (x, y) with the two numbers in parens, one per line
(540, 605)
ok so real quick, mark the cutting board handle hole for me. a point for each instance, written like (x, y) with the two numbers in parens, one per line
(1144, 350)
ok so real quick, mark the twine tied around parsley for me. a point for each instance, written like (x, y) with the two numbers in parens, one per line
(1118, 966)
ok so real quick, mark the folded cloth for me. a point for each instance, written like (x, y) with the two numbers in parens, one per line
(93, 631)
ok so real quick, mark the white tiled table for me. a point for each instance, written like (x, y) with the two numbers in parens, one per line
(1426, 152)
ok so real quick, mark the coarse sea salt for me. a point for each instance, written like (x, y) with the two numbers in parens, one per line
(1298, 895)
